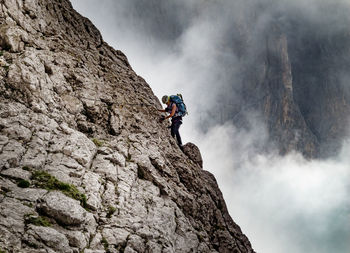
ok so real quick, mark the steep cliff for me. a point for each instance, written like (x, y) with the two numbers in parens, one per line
(85, 166)
(269, 89)
(290, 69)
(294, 73)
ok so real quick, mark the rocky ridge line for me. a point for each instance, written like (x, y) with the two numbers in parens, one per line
(84, 164)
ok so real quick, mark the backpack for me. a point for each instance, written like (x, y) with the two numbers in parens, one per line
(178, 100)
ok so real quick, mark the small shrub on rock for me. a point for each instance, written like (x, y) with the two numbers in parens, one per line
(26, 168)
(23, 183)
(37, 221)
(111, 211)
(105, 243)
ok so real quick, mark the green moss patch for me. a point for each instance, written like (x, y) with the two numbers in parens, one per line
(111, 211)
(105, 243)
(26, 168)
(42, 179)
(37, 221)
(97, 142)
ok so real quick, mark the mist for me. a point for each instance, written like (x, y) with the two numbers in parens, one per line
(282, 203)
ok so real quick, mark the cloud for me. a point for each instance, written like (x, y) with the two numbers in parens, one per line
(283, 204)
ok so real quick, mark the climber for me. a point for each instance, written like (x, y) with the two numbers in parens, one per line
(176, 111)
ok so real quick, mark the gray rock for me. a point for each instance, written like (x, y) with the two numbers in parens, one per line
(17, 173)
(76, 239)
(12, 215)
(105, 167)
(115, 236)
(130, 250)
(13, 38)
(27, 194)
(79, 147)
(92, 185)
(193, 152)
(95, 243)
(94, 251)
(62, 208)
(18, 132)
(153, 247)
(9, 240)
(50, 237)
(136, 243)
(11, 154)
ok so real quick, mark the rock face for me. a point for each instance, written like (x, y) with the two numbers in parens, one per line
(275, 99)
(193, 152)
(84, 163)
(294, 76)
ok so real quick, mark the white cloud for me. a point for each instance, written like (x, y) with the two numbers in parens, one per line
(283, 204)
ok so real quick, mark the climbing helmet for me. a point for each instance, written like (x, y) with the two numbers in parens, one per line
(165, 99)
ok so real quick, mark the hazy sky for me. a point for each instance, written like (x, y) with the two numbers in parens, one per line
(283, 204)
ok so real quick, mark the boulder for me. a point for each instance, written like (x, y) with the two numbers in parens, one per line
(193, 152)
(62, 208)
(50, 237)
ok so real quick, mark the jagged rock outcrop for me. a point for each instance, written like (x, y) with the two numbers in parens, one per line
(193, 152)
(84, 163)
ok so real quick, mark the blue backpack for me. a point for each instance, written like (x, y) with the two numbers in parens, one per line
(178, 100)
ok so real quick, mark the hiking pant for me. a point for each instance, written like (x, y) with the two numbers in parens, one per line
(175, 125)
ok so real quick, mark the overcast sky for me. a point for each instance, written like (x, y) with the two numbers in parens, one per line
(283, 204)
